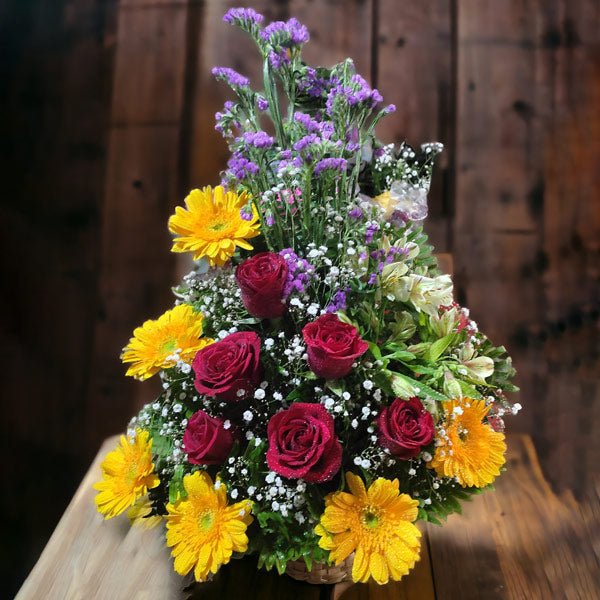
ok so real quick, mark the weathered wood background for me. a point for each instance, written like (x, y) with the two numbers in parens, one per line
(107, 120)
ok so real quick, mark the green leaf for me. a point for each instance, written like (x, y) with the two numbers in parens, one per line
(293, 395)
(468, 390)
(308, 375)
(422, 390)
(248, 321)
(176, 484)
(439, 347)
(308, 561)
(375, 351)
(422, 370)
(280, 564)
(453, 505)
(421, 348)
(336, 386)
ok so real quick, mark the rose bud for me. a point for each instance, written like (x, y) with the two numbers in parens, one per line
(303, 444)
(405, 427)
(206, 441)
(332, 346)
(229, 369)
(262, 279)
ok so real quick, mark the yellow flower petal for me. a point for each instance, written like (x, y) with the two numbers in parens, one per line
(128, 474)
(357, 487)
(376, 524)
(139, 514)
(203, 531)
(378, 568)
(470, 451)
(360, 567)
(212, 227)
(153, 345)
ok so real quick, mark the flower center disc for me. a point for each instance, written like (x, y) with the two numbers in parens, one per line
(206, 520)
(370, 518)
(169, 345)
(132, 471)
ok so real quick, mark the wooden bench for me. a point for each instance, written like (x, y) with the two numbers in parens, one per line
(521, 541)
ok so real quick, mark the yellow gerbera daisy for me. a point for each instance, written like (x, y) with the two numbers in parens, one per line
(212, 226)
(376, 524)
(139, 513)
(127, 474)
(154, 343)
(203, 529)
(468, 449)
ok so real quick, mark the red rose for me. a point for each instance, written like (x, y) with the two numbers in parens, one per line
(227, 367)
(302, 443)
(405, 427)
(206, 441)
(332, 346)
(261, 280)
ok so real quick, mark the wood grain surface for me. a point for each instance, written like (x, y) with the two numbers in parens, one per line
(521, 541)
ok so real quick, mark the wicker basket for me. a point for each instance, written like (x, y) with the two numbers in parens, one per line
(321, 572)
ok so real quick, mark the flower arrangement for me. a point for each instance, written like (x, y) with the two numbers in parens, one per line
(321, 389)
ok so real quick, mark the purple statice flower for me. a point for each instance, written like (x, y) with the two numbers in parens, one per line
(242, 16)
(240, 167)
(378, 152)
(298, 32)
(334, 164)
(285, 154)
(326, 129)
(295, 162)
(338, 302)
(363, 92)
(389, 109)
(262, 103)
(306, 141)
(313, 85)
(300, 272)
(232, 77)
(371, 229)
(225, 119)
(336, 94)
(372, 278)
(246, 215)
(258, 139)
(273, 29)
(352, 147)
(285, 33)
(358, 92)
(307, 122)
(355, 213)
(278, 59)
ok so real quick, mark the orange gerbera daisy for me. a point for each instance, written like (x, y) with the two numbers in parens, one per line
(376, 524)
(467, 448)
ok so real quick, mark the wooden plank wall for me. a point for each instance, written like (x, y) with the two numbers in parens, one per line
(56, 73)
(107, 121)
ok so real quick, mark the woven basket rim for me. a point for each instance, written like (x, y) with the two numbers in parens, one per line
(321, 572)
